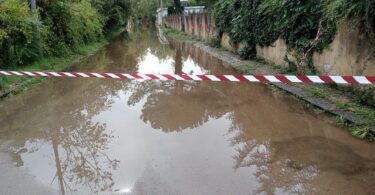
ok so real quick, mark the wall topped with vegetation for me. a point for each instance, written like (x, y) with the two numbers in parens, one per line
(302, 28)
(305, 36)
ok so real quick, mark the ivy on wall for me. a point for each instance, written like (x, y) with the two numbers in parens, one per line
(306, 26)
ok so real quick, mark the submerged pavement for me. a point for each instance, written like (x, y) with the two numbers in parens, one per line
(96, 136)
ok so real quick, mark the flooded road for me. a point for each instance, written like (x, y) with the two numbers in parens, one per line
(102, 136)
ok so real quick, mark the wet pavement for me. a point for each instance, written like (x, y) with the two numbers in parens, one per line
(102, 136)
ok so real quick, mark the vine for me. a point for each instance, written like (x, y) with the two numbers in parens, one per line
(306, 26)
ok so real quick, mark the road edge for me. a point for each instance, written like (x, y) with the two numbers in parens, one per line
(234, 61)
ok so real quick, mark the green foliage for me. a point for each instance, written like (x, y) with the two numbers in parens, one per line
(360, 13)
(179, 35)
(298, 22)
(215, 42)
(306, 26)
(71, 24)
(176, 8)
(144, 10)
(56, 27)
(114, 13)
(263, 21)
(364, 95)
(20, 33)
(244, 23)
(207, 3)
(316, 92)
(361, 132)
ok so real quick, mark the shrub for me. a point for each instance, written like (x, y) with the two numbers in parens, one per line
(298, 22)
(114, 13)
(55, 27)
(21, 33)
(71, 24)
(361, 14)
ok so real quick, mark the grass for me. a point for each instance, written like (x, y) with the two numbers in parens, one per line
(179, 35)
(366, 113)
(361, 132)
(316, 92)
(247, 68)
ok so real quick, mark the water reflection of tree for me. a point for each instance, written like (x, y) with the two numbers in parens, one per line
(78, 143)
(168, 99)
(84, 159)
(179, 105)
(274, 173)
(134, 51)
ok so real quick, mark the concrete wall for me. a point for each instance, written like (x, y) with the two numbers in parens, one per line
(175, 22)
(226, 43)
(200, 25)
(348, 54)
(274, 53)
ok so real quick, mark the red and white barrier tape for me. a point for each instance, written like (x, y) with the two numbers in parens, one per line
(363, 80)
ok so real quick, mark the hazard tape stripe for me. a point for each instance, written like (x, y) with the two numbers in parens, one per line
(363, 80)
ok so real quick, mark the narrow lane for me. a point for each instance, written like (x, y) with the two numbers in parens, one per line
(87, 136)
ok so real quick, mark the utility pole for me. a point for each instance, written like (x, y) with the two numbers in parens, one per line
(32, 5)
(33, 8)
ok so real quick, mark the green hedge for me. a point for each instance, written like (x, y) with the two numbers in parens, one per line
(21, 33)
(55, 27)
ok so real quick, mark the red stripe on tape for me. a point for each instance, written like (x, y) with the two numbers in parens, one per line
(221, 77)
(204, 77)
(282, 78)
(326, 79)
(169, 77)
(371, 79)
(241, 78)
(153, 76)
(137, 76)
(261, 78)
(186, 77)
(121, 76)
(350, 79)
(304, 79)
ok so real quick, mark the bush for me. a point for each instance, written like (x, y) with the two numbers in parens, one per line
(55, 27)
(299, 22)
(71, 24)
(244, 23)
(114, 13)
(361, 14)
(21, 33)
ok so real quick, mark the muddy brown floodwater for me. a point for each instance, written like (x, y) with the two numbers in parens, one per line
(102, 136)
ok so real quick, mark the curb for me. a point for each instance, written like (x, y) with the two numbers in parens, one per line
(12, 89)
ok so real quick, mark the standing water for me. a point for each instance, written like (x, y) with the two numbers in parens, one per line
(103, 136)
